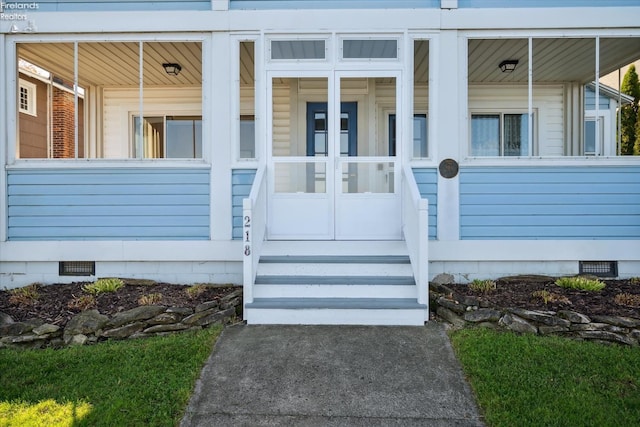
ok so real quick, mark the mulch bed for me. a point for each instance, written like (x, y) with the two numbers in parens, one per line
(55, 302)
(519, 292)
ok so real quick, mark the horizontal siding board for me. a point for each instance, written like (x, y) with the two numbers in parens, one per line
(112, 233)
(241, 182)
(121, 5)
(131, 210)
(427, 180)
(552, 188)
(109, 204)
(113, 199)
(330, 4)
(601, 202)
(544, 3)
(525, 233)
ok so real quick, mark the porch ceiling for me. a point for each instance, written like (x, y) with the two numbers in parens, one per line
(554, 60)
(116, 63)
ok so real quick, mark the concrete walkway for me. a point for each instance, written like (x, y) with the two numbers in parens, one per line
(332, 376)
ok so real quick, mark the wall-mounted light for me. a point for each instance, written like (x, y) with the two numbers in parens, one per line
(508, 65)
(172, 69)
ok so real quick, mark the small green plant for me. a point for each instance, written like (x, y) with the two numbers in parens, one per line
(103, 285)
(581, 283)
(629, 300)
(83, 302)
(482, 286)
(26, 296)
(150, 299)
(635, 280)
(548, 297)
(194, 291)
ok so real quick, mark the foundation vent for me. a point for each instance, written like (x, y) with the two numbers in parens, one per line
(599, 268)
(77, 268)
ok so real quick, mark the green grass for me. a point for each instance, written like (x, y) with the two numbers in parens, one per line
(145, 382)
(550, 381)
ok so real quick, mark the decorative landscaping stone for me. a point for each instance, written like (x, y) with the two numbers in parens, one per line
(625, 322)
(467, 310)
(540, 317)
(607, 336)
(454, 306)
(90, 326)
(482, 315)
(443, 279)
(183, 311)
(573, 317)
(45, 329)
(233, 295)
(79, 339)
(16, 328)
(143, 312)
(206, 306)
(451, 317)
(124, 331)
(165, 328)
(5, 319)
(517, 324)
(165, 319)
(546, 330)
(87, 322)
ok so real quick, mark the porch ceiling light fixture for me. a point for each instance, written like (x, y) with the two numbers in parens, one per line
(508, 65)
(171, 68)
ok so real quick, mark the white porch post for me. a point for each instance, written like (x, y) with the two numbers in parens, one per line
(449, 106)
(217, 105)
(4, 140)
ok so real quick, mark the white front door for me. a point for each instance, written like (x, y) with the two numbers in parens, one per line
(332, 159)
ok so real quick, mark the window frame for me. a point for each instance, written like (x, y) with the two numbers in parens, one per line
(501, 113)
(31, 92)
(163, 116)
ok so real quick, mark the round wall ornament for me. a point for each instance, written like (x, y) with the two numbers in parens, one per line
(448, 168)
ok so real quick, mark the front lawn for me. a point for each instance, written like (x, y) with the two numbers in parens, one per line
(136, 382)
(528, 380)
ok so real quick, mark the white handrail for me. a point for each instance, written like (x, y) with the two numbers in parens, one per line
(254, 227)
(415, 227)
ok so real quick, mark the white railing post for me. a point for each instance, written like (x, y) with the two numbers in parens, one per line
(254, 225)
(415, 220)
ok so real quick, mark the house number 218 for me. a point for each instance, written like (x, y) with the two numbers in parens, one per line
(247, 225)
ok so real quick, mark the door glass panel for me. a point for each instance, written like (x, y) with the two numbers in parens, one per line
(367, 177)
(294, 132)
(365, 131)
(300, 177)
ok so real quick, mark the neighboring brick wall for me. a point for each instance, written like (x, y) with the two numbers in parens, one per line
(62, 124)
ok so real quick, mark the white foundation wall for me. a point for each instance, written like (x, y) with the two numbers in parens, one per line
(19, 274)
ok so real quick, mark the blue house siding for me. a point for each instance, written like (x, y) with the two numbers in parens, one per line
(241, 181)
(332, 4)
(550, 203)
(545, 3)
(109, 204)
(119, 5)
(427, 180)
(590, 100)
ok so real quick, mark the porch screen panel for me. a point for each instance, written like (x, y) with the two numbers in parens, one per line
(367, 135)
(420, 98)
(300, 124)
(247, 109)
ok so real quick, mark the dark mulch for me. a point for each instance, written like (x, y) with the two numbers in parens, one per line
(518, 292)
(54, 302)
